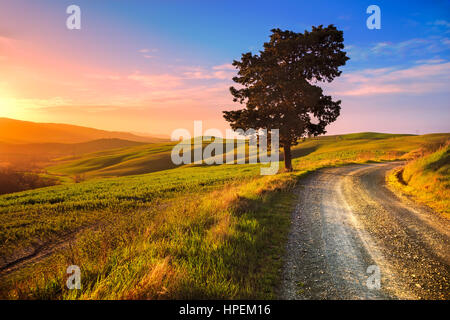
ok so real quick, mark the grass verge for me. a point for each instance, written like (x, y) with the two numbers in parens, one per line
(426, 179)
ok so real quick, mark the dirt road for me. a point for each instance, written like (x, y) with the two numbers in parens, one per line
(347, 220)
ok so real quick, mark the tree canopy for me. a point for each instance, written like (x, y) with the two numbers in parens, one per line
(278, 85)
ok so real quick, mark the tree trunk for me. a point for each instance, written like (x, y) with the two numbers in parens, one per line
(287, 158)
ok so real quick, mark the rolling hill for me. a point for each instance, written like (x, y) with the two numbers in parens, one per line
(118, 162)
(17, 131)
(155, 157)
(65, 149)
(31, 156)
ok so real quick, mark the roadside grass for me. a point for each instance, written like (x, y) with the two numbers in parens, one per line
(427, 178)
(190, 232)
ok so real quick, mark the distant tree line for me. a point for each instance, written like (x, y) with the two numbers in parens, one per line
(15, 181)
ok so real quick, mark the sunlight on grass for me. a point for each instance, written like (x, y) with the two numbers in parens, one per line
(426, 179)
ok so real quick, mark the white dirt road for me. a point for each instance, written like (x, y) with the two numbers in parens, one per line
(346, 220)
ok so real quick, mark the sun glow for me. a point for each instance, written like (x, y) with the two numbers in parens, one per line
(8, 107)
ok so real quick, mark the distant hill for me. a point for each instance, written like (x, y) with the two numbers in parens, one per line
(17, 131)
(66, 149)
(34, 155)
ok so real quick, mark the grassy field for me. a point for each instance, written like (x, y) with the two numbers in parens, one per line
(156, 157)
(187, 232)
(123, 161)
(427, 178)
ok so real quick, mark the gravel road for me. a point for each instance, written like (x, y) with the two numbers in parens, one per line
(346, 220)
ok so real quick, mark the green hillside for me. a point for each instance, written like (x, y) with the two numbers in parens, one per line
(119, 162)
(31, 156)
(156, 157)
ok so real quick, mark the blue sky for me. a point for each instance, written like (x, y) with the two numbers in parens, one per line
(397, 79)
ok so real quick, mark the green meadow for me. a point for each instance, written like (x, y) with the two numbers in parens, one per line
(141, 228)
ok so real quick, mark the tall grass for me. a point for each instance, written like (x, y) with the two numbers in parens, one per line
(225, 244)
(41, 215)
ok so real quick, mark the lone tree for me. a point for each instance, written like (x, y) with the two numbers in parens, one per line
(277, 86)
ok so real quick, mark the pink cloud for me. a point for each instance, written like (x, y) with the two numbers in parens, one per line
(5, 41)
(103, 76)
(419, 79)
(156, 80)
(146, 50)
(220, 72)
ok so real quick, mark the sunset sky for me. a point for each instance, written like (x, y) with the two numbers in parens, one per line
(155, 66)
